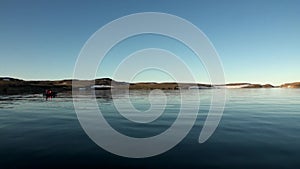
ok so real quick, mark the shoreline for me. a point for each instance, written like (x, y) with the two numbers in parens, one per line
(12, 86)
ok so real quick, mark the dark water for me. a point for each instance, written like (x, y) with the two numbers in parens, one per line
(260, 128)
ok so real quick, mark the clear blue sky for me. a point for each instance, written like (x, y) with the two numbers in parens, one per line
(258, 41)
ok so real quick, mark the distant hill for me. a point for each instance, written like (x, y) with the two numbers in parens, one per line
(291, 85)
(13, 86)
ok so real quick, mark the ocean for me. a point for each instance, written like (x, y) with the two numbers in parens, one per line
(259, 129)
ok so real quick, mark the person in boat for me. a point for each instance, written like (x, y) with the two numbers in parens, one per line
(49, 94)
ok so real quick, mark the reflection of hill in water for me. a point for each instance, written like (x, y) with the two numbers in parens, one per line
(105, 94)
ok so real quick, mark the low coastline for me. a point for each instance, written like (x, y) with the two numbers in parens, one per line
(12, 86)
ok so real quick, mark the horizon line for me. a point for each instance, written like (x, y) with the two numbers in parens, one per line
(18, 78)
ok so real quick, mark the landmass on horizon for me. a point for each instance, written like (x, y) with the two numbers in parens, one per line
(13, 86)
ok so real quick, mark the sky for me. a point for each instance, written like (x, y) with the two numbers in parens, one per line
(257, 41)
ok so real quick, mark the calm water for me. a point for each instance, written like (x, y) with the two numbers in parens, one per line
(260, 128)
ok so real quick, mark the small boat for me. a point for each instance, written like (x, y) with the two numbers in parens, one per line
(49, 94)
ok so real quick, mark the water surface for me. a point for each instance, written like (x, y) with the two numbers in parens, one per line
(259, 129)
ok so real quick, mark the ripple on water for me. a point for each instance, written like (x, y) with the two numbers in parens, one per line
(259, 129)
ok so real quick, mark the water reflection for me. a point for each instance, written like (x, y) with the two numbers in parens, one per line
(259, 129)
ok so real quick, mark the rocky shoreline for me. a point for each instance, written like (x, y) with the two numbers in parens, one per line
(12, 86)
